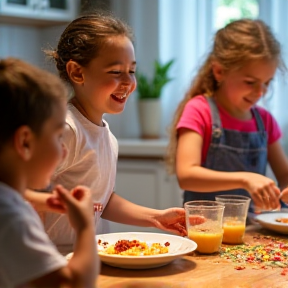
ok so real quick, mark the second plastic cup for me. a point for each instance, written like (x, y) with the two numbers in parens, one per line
(234, 218)
(208, 232)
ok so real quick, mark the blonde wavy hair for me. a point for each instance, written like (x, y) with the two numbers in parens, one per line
(239, 41)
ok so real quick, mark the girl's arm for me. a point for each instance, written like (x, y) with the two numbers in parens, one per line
(123, 211)
(192, 176)
(279, 163)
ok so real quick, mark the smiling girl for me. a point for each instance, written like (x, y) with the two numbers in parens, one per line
(221, 140)
(95, 55)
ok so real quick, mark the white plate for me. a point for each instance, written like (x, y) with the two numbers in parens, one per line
(178, 246)
(268, 220)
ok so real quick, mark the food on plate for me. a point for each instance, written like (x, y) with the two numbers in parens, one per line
(282, 220)
(132, 248)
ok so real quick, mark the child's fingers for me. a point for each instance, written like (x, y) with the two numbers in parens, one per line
(196, 220)
(54, 203)
(81, 193)
(78, 192)
(64, 195)
(284, 195)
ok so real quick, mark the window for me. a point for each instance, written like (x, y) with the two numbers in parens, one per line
(231, 10)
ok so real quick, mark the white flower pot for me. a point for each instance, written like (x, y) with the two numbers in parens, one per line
(150, 118)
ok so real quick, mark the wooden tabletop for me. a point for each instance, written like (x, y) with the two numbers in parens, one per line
(199, 271)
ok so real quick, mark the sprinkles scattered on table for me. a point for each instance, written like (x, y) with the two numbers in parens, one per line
(274, 253)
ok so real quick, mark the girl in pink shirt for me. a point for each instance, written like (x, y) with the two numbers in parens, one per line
(221, 141)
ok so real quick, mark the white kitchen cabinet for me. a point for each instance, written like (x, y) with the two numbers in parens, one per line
(142, 179)
(38, 12)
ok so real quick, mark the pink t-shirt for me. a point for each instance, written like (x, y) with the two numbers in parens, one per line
(197, 117)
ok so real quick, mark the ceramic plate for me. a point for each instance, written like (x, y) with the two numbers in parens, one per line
(178, 246)
(268, 220)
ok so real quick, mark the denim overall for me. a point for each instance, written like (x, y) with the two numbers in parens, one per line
(232, 150)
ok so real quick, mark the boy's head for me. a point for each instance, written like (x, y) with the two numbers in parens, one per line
(32, 117)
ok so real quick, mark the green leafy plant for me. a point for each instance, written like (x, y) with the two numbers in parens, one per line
(151, 88)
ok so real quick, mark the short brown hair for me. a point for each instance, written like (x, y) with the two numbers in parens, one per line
(27, 96)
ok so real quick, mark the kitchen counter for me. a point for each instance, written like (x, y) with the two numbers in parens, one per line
(142, 148)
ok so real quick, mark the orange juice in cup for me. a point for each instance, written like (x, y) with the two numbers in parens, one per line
(234, 219)
(234, 231)
(207, 241)
(208, 233)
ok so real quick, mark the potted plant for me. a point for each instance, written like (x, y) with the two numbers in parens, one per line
(149, 96)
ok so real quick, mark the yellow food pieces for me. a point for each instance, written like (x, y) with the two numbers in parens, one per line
(137, 249)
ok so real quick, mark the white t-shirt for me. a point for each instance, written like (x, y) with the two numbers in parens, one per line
(91, 161)
(26, 252)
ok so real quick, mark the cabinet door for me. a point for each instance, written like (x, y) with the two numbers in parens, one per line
(146, 183)
(38, 12)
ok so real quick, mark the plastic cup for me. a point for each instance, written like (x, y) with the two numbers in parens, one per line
(234, 218)
(207, 232)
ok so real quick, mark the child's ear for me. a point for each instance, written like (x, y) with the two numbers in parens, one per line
(24, 142)
(218, 71)
(74, 71)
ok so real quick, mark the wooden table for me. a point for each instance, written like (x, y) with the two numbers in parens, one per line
(199, 271)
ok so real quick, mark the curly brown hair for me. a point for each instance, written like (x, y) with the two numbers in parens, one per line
(239, 41)
(84, 37)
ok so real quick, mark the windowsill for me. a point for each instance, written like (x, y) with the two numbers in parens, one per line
(142, 147)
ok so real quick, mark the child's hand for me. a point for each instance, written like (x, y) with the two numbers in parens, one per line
(263, 191)
(55, 204)
(284, 195)
(78, 205)
(196, 220)
(172, 220)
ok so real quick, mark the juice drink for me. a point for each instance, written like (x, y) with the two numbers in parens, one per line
(233, 231)
(207, 241)
(208, 232)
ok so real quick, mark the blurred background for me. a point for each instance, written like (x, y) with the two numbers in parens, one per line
(164, 29)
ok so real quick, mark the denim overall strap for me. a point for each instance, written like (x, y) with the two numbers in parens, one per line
(233, 151)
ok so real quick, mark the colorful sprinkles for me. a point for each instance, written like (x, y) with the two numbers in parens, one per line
(274, 253)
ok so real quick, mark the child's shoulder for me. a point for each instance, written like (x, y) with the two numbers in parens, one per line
(198, 102)
(196, 110)
(22, 239)
(264, 113)
(199, 99)
(9, 196)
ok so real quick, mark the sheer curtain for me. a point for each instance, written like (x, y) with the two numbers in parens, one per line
(186, 31)
(274, 13)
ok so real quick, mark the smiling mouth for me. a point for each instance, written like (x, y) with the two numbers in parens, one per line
(120, 98)
(123, 96)
(249, 101)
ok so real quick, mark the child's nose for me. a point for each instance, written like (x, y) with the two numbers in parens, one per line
(128, 78)
(261, 89)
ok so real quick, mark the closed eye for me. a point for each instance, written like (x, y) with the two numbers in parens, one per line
(267, 83)
(114, 72)
(250, 82)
